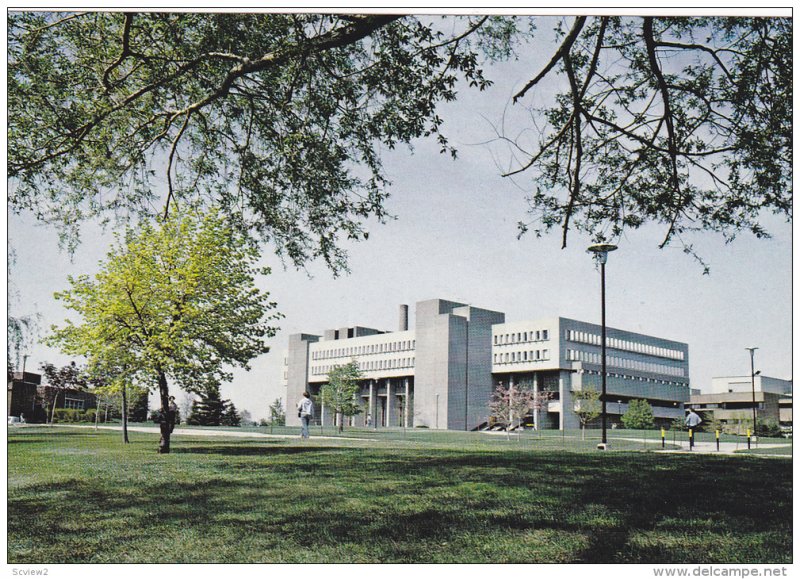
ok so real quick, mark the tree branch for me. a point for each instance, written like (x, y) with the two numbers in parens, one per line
(562, 50)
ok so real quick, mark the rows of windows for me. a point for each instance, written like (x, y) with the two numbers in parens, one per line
(619, 344)
(384, 348)
(521, 337)
(369, 365)
(637, 378)
(73, 403)
(618, 362)
(517, 357)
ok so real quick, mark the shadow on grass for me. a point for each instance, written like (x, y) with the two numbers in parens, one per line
(273, 502)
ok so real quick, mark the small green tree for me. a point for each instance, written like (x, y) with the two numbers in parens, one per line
(587, 407)
(175, 300)
(639, 415)
(277, 415)
(230, 416)
(340, 394)
(209, 409)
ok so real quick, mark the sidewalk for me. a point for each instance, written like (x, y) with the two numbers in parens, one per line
(724, 447)
(200, 432)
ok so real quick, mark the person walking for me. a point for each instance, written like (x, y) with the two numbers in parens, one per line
(693, 420)
(172, 411)
(305, 411)
(692, 423)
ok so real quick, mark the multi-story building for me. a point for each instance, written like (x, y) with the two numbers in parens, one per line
(731, 400)
(442, 373)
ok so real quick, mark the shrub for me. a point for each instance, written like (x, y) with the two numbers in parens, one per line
(769, 428)
(67, 415)
(89, 415)
(639, 415)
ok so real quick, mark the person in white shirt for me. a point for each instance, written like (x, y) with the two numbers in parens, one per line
(693, 420)
(305, 410)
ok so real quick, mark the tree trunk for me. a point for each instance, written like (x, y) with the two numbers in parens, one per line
(53, 411)
(125, 414)
(163, 389)
(341, 421)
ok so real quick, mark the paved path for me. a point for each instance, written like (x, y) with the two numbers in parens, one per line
(699, 447)
(725, 447)
(203, 432)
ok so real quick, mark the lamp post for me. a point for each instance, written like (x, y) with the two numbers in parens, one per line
(753, 385)
(601, 251)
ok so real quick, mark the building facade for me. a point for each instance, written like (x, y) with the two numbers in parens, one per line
(731, 400)
(442, 373)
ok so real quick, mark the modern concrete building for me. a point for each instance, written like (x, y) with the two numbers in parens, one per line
(731, 400)
(442, 373)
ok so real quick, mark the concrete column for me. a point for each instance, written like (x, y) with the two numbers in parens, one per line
(407, 404)
(371, 403)
(389, 402)
(536, 411)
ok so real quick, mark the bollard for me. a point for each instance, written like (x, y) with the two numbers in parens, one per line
(748, 439)
(663, 438)
(691, 439)
(717, 440)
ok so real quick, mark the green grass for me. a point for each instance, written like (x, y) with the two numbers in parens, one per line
(81, 496)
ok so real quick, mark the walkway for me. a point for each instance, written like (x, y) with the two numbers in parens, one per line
(199, 432)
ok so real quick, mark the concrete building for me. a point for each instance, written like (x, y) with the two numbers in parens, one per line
(442, 373)
(731, 400)
(27, 397)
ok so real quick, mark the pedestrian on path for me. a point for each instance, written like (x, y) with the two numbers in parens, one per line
(305, 411)
(693, 420)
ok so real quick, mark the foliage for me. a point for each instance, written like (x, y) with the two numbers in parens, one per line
(587, 406)
(277, 414)
(277, 118)
(340, 394)
(20, 330)
(66, 415)
(60, 380)
(685, 122)
(677, 424)
(509, 406)
(639, 415)
(768, 427)
(208, 411)
(176, 301)
(230, 416)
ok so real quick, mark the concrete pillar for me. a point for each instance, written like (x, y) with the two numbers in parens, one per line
(536, 411)
(389, 402)
(371, 403)
(406, 410)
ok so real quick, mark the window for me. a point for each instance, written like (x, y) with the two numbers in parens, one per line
(538, 335)
(544, 335)
(73, 403)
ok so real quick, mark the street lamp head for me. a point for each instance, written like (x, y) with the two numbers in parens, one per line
(601, 251)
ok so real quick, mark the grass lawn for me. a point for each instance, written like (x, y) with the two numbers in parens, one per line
(81, 496)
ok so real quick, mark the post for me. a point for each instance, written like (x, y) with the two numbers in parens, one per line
(717, 432)
(603, 342)
(748, 439)
(691, 439)
(663, 439)
(753, 385)
(601, 252)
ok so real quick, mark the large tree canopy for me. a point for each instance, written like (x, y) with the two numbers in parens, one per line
(281, 118)
(685, 122)
(277, 118)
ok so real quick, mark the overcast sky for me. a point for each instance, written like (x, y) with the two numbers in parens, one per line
(455, 237)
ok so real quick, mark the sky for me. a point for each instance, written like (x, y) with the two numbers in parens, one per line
(454, 236)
